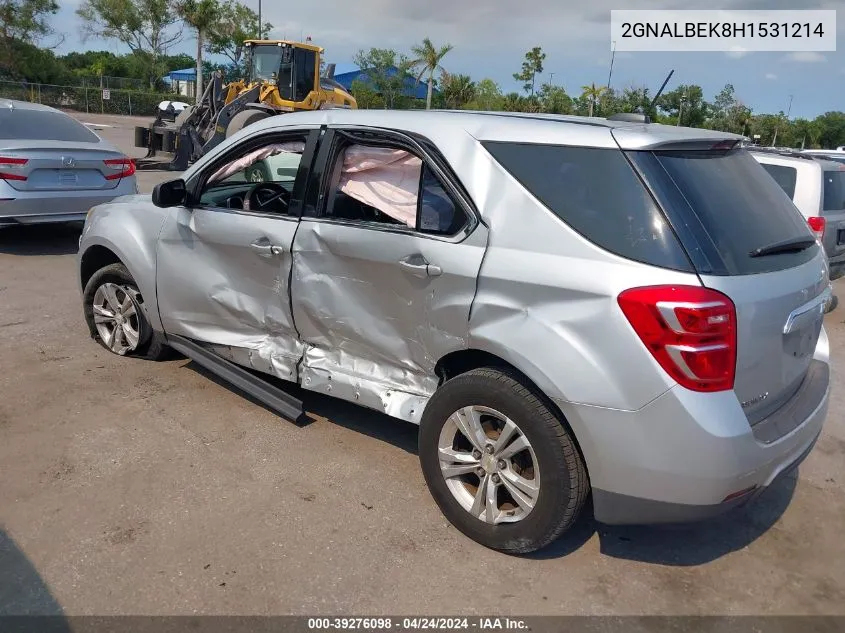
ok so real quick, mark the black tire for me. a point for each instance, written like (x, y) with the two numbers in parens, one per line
(564, 482)
(832, 304)
(151, 344)
(243, 119)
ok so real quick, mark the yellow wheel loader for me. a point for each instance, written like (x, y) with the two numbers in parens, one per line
(282, 77)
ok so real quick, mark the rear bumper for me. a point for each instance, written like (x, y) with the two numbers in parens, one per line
(686, 455)
(28, 207)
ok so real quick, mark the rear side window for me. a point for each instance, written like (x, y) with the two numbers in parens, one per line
(724, 206)
(834, 190)
(598, 194)
(43, 125)
(784, 176)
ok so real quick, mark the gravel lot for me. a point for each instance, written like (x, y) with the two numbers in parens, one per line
(132, 487)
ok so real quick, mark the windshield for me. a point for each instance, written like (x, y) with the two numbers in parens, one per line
(265, 62)
(834, 190)
(724, 206)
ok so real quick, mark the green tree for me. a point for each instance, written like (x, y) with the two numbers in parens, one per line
(385, 71)
(22, 21)
(532, 65)
(202, 16)
(592, 94)
(366, 96)
(765, 125)
(831, 129)
(555, 100)
(806, 133)
(237, 23)
(458, 90)
(146, 27)
(488, 96)
(427, 58)
(513, 102)
(685, 105)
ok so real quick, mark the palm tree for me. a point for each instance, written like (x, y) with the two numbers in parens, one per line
(427, 59)
(201, 15)
(458, 90)
(592, 93)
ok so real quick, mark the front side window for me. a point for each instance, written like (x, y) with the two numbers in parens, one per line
(260, 179)
(390, 186)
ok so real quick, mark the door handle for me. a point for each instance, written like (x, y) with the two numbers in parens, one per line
(419, 267)
(265, 249)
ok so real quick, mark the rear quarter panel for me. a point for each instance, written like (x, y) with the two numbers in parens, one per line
(129, 227)
(546, 301)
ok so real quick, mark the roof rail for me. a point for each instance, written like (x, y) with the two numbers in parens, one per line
(790, 153)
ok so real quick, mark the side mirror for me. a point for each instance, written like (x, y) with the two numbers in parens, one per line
(170, 194)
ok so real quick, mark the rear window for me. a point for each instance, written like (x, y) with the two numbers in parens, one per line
(598, 194)
(784, 176)
(43, 125)
(834, 190)
(724, 205)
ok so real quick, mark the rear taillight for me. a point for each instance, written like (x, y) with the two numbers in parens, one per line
(690, 331)
(8, 166)
(817, 224)
(123, 168)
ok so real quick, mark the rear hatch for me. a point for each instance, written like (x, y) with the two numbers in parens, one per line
(746, 241)
(833, 210)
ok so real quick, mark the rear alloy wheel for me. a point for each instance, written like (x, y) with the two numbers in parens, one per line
(115, 315)
(499, 461)
(489, 465)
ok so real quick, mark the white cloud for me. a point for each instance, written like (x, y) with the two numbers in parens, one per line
(737, 52)
(771, 76)
(806, 57)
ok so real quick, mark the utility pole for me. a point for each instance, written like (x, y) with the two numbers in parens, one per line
(788, 110)
(551, 79)
(259, 19)
(612, 57)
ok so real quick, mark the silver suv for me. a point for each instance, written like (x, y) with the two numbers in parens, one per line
(563, 305)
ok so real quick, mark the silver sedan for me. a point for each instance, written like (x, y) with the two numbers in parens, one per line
(53, 168)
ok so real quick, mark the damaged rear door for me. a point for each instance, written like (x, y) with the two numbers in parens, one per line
(386, 259)
(224, 263)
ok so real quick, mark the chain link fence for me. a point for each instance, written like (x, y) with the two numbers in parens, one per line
(87, 99)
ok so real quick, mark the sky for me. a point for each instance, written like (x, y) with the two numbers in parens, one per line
(490, 38)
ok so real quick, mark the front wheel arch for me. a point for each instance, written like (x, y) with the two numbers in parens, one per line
(93, 259)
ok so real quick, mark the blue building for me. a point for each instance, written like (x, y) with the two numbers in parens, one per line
(184, 82)
(412, 88)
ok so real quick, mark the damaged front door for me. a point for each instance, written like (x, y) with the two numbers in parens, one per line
(385, 265)
(224, 264)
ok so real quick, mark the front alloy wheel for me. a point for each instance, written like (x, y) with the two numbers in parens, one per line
(116, 318)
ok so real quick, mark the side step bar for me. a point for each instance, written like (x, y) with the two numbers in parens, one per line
(282, 403)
